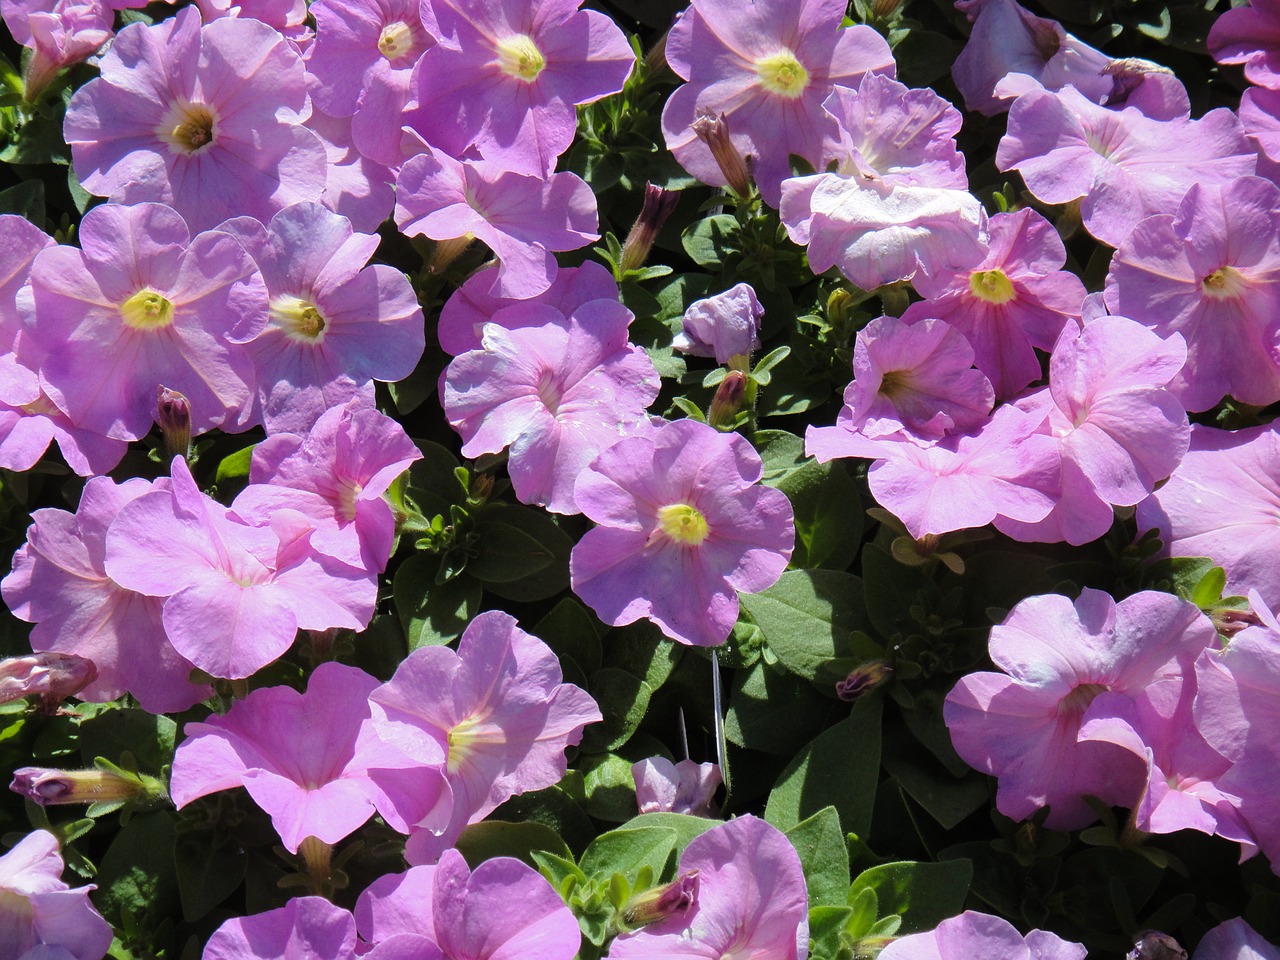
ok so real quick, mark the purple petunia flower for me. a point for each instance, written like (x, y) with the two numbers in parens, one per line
(59, 583)
(40, 916)
(206, 119)
(685, 787)
(141, 304)
(1013, 303)
(1251, 36)
(356, 187)
(724, 326)
(1023, 725)
(981, 935)
(683, 526)
(751, 901)
(557, 394)
(305, 928)
(507, 76)
(1124, 165)
(22, 241)
(59, 33)
(1235, 940)
(766, 67)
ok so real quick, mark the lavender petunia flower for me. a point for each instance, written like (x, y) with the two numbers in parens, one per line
(724, 326)
(1250, 36)
(1009, 40)
(1013, 303)
(303, 757)
(1235, 940)
(142, 304)
(975, 934)
(498, 712)
(40, 916)
(684, 787)
(59, 33)
(683, 526)
(1221, 502)
(557, 394)
(506, 78)
(356, 187)
(206, 119)
(335, 323)
(22, 241)
(305, 928)
(1212, 274)
(522, 219)
(766, 67)
(1124, 165)
(751, 901)
(1023, 725)
(59, 583)
(235, 595)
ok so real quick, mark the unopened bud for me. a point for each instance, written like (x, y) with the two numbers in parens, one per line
(1231, 622)
(658, 204)
(173, 413)
(49, 787)
(655, 60)
(1154, 945)
(446, 251)
(51, 676)
(864, 678)
(712, 130)
(728, 400)
(884, 9)
(661, 902)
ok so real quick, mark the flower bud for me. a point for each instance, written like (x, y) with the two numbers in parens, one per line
(884, 9)
(725, 326)
(173, 413)
(864, 678)
(661, 902)
(714, 132)
(1231, 622)
(728, 400)
(49, 787)
(658, 204)
(1154, 945)
(51, 676)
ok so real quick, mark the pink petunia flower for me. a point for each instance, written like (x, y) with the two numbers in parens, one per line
(1221, 502)
(506, 78)
(143, 304)
(1023, 725)
(766, 68)
(22, 241)
(751, 903)
(355, 187)
(59, 583)
(1250, 36)
(41, 914)
(471, 306)
(522, 218)
(975, 934)
(305, 928)
(59, 33)
(1210, 272)
(555, 394)
(206, 119)
(723, 326)
(303, 757)
(1013, 303)
(1124, 165)
(685, 787)
(503, 908)
(1235, 940)
(335, 323)
(235, 594)
(683, 526)
(498, 712)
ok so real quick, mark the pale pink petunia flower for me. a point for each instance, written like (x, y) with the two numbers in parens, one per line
(1121, 165)
(1012, 303)
(1022, 726)
(496, 709)
(1235, 940)
(360, 189)
(973, 934)
(305, 928)
(724, 326)
(556, 395)
(766, 67)
(685, 787)
(1250, 36)
(206, 118)
(21, 240)
(40, 916)
(141, 304)
(58, 582)
(684, 524)
(751, 904)
(59, 34)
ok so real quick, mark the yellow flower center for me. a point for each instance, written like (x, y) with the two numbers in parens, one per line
(461, 739)
(519, 57)
(396, 40)
(146, 310)
(299, 319)
(992, 286)
(189, 128)
(1224, 283)
(41, 406)
(683, 523)
(783, 74)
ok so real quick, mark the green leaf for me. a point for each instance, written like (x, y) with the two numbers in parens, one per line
(808, 618)
(431, 613)
(826, 924)
(890, 590)
(25, 200)
(773, 711)
(709, 239)
(923, 894)
(643, 650)
(623, 699)
(611, 790)
(628, 849)
(863, 910)
(820, 843)
(497, 838)
(571, 631)
(234, 466)
(828, 514)
(150, 738)
(506, 553)
(208, 872)
(138, 873)
(507, 569)
(686, 827)
(839, 768)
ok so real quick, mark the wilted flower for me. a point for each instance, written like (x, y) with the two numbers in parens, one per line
(51, 676)
(725, 326)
